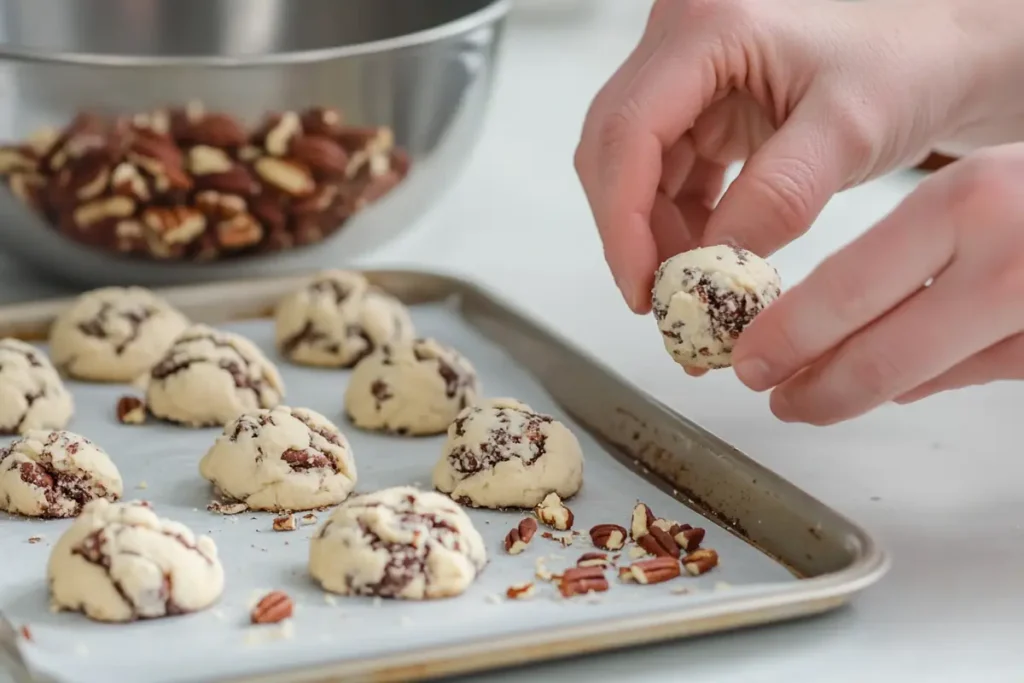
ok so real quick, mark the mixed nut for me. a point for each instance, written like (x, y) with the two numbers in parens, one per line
(189, 184)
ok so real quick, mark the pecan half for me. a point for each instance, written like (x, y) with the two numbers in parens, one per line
(608, 536)
(273, 607)
(594, 560)
(657, 570)
(553, 513)
(659, 543)
(520, 537)
(582, 580)
(641, 521)
(700, 561)
(687, 537)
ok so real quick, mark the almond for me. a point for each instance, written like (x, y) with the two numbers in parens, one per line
(213, 129)
(324, 157)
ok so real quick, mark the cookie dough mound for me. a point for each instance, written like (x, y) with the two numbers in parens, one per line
(416, 388)
(209, 377)
(120, 562)
(281, 459)
(32, 395)
(397, 543)
(338, 319)
(704, 298)
(55, 474)
(503, 454)
(114, 334)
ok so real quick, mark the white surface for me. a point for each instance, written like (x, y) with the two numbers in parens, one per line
(939, 481)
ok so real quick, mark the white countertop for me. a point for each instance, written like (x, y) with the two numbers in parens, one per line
(939, 482)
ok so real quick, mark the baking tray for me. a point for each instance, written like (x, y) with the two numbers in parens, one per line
(783, 553)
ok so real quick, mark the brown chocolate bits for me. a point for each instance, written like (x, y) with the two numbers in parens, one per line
(274, 607)
(520, 537)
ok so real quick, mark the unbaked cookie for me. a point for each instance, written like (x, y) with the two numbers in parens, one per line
(120, 562)
(114, 334)
(338, 319)
(397, 543)
(281, 459)
(704, 298)
(503, 454)
(32, 395)
(54, 474)
(415, 388)
(209, 377)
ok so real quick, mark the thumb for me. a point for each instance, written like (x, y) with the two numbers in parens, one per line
(785, 184)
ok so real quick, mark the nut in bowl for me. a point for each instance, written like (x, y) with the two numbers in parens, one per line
(175, 152)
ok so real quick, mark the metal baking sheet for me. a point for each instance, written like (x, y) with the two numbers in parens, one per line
(783, 554)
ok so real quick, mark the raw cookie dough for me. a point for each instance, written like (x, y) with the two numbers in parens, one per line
(502, 454)
(209, 377)
(397, 543)
(32, 395)
(338, 319)
(281, 459)
(120, 562)
(114, 334)
(54, 474)
(416, 388)
(704, 298)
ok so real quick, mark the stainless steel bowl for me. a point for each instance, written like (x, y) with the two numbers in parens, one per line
(424, 68)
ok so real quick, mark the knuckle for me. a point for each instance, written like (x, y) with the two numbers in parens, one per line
(858, 133)
(615, 127)
(786, 188)
(985, 191)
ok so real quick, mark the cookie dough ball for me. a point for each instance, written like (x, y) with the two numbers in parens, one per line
(120, 562)
(503, 454)
(281, 459)
(397, 543)
(704, 298)
(32, 395)
(54, 474)
(338, 319)
(416, 388)
(114, 334)
(209, 377)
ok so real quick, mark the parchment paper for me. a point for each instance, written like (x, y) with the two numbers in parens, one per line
(159, 463)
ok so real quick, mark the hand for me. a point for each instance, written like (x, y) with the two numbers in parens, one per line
(863, 329)
(816, 96)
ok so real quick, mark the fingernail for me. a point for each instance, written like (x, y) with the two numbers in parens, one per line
(781, 407)
(694, 372)
(753, 372)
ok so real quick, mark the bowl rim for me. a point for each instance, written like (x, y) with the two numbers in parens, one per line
(490, 14)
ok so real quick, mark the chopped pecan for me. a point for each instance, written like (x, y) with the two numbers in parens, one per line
(131, 410)
(520, 591)
(284, 523)
(641, 521)
(273, 607)
(553, 513)
(287, 175)
(687, 537)
(659, 543)
(582, 580)
(608, 536)
(518, 538)
(594, 560)
(656, 570)
(700, 561)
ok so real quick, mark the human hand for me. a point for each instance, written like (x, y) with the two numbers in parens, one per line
(816, 96)
(863, 329)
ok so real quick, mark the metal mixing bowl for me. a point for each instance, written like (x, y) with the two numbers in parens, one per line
(422, 67)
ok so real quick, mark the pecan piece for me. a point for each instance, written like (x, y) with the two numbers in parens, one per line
(659, 543)
(275, 606)
(520, 591)
(287, 175)
(641, 521)
(687, 537)
(29, 188)
(608, 536)
(599, 560)
(17, 160)
(277, 133)
(87, 215)
(239, 231)
(657, 570)
(553, 513)
(517, 539)
(582, 580)
(700, 561)
(131, 410)
(284, 523)
(174, 224)
(206, 160)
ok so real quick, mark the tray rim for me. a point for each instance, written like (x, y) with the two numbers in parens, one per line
(774, 603)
